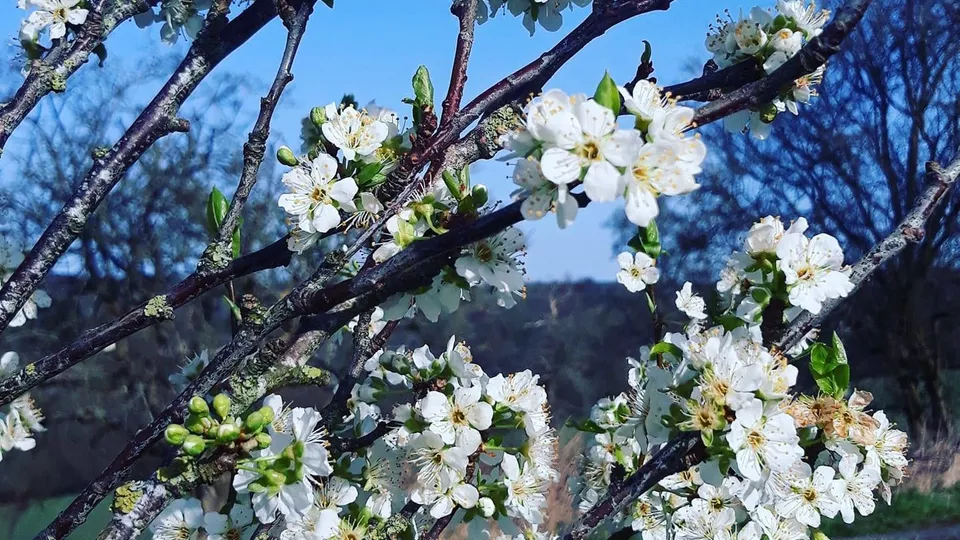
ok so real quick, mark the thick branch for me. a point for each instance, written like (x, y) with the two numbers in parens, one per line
(158, 119)
(911, 230)
(153, 311)
(50, 73)
(466, 12)
(813, 55)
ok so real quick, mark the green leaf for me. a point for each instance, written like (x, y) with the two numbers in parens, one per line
(839, 352)
(587, 425)
(819, 359)
(234, 309)
(647, 53)
(217, 206)
(826, 385)
(666, 348)
(452, 184)
(841, 380)
(236, 239)
(608, 95)
(650, 239)
(422, 88)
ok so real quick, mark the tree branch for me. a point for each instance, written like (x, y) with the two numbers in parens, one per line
(149, 313)
(218, 39)
(910, 231)
(50, 73)
(813, 55)
(219, 251)
(466, 12)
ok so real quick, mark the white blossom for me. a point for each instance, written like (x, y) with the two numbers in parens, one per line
(691, 304)
(636, 271)
(812, 270)
(355, 133)
(458, 419)
(763, 439)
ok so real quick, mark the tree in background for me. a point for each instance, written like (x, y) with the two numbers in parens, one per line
(887, 106)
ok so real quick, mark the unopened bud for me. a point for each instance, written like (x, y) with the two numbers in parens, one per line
(198, 406)
(193, 445)
(195, 424)
(175, 434)
(480, 195)
(268, 413)
(318, 116)
(227, 433)
(221, 405)
(254, 421)
(286, 156)
(263, 440)
(274, 478)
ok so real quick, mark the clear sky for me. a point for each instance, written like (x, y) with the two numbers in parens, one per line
(372, 47)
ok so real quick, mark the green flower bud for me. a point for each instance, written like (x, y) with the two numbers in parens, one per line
(227, 433)
(318, 115)
(480, 195)
(175, 434)
(274, 478)
(221, 405)
(768, 113)
(760, 295)
(819, 535)
(254, 421)
(263, 440)
(286, 157)
(256, 487)
(195, 424)
(193, 445)
(268, 414)
(198, 406)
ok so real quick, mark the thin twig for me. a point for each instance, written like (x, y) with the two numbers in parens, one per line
(218, 39)
(95, 339)
(255, 147)
(910, 231)
(466, 12)
(813, 55)
(50, 73)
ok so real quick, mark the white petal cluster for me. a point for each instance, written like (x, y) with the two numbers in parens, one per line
(11, 255)
(179, 18)
(288, 491)
(637, 271)
(317, 196)
(185, 518)
(761, 479)
(547, 13)
(569, 140)
(771, 39)
(51, 15)
(22, 418)
(779, 261)
(448, 433)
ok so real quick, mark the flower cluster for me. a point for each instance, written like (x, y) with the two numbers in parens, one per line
(480, 443)
(781, 263)
(22, 418)
(185, 518)
(777, 462)
(55, 16)
(179, 17)
(325, 191)
(548, 13)
(771, 40)
(569, 140)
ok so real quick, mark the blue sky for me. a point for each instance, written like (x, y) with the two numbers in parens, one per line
(372, 47)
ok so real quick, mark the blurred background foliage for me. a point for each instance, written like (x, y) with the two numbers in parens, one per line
(851, 163)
